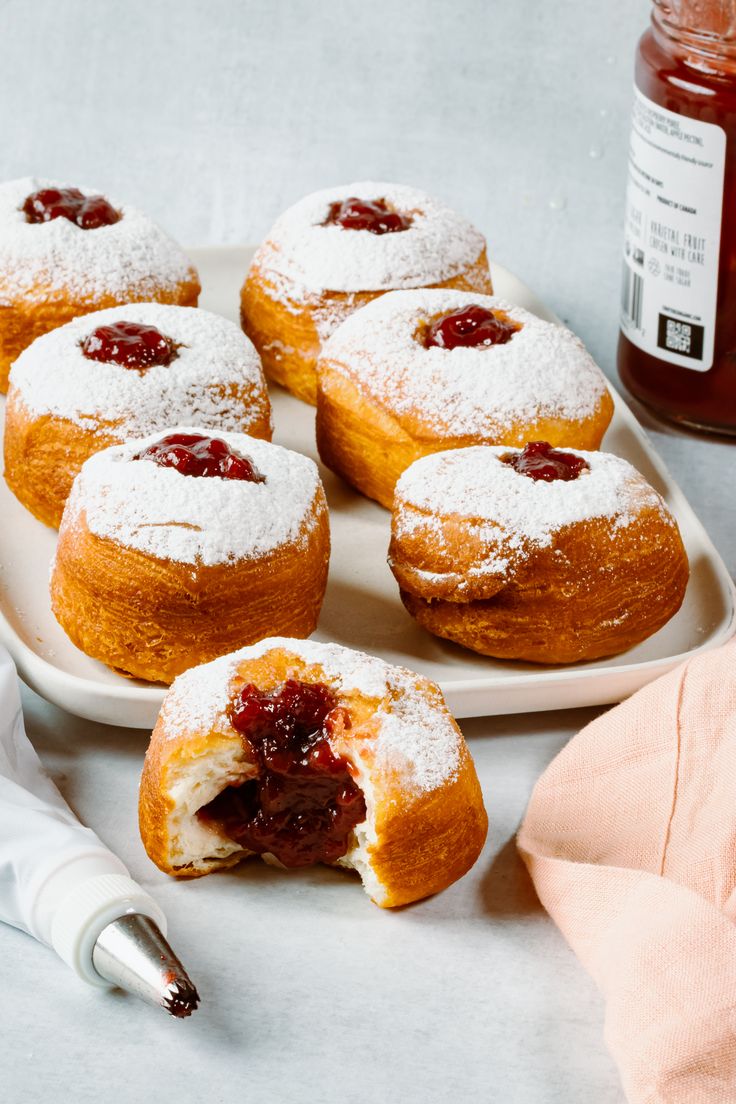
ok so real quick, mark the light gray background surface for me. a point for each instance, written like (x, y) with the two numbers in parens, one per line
(214, 117)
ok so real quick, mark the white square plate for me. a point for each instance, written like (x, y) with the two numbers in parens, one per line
(362, 608)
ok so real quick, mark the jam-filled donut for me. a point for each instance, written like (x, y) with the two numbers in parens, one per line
(120, 373)
(67, 251)
(338, 249)
(181, 546)
(305, 753)
(541, 554)
(418, 372)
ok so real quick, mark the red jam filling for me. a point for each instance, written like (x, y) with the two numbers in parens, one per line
(130, 344)
(470, 327)
(88, 212)
(366, 214)
(304, 803)
(540, 461)
(195, 454)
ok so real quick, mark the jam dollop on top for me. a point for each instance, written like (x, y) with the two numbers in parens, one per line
(130, 344)
(304, 803)
(469, 326)
(199, 455)
(539, 460)
(87, 212)
(366, 214)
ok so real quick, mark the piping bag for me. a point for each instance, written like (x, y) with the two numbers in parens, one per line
(60, 884)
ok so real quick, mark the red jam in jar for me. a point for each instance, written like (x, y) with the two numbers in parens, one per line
(365, 214)
(130, 344)
(198, 455)
(539, 460)
(304, 804)
(469, 327)
(677, 349)
(88, 212)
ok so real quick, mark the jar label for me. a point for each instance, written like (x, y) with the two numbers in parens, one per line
(672, 235)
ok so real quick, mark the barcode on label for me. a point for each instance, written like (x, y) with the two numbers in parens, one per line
(631, 296)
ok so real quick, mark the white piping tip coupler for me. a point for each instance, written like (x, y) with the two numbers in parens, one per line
(111, 932)
(59, 882)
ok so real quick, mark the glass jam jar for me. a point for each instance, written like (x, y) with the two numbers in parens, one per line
(677, 349)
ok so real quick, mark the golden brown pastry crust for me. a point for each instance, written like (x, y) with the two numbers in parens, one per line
(447, 829)
(41, 309)
(44, 453)
(423, 841)
(152, 619)
(385, 398)
(594, 591)
(288, 332)
(369, 446)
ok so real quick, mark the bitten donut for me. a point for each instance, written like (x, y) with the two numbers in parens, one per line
(120, 373)
(338, 249)
(545, 555)
(418, 372)
(181, 546)
(68, 251)
(304, 753)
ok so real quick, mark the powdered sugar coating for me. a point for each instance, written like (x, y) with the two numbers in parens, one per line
(543, 371)
(214, 359)
(131, 258)
(415, 736)
(156, 510)
(509, 510)
(302, 256)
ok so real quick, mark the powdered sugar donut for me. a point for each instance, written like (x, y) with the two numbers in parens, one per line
(421, 371)
(119, 373)
(338, 249)
(545, 555)
(67, 251)
(368, 771)
(176, 547)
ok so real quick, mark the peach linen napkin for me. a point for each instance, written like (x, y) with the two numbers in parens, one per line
(630, 839)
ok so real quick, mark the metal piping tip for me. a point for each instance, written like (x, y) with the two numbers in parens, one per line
(131, 953)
